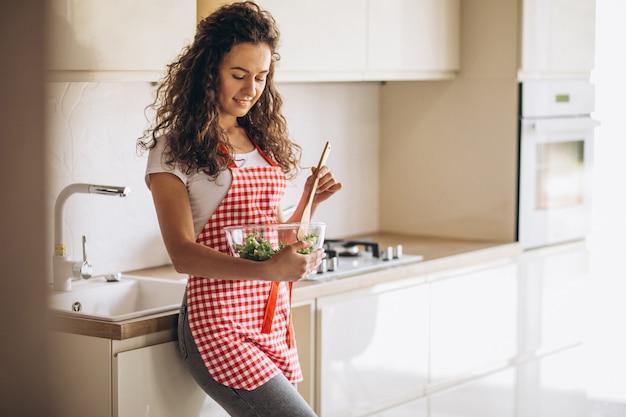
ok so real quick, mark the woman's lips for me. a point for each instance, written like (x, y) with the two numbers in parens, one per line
(242, 103)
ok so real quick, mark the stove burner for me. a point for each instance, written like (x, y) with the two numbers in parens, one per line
(352, 248)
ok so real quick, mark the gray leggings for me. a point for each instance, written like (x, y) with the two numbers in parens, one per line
(276, 398)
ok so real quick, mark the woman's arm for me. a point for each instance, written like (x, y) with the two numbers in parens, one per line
(173, 211)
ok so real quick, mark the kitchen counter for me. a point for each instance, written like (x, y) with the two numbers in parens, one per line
(438, 255)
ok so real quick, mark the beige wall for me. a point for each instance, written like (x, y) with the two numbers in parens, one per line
(449, 148)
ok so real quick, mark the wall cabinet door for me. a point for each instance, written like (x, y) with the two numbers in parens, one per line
(473, 322)
(373, 349)
(321, 40)
(117, 39)
(413, 39)
(367, 40)
(558, 39)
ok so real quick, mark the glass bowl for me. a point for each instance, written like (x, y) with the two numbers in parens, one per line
(259, 242)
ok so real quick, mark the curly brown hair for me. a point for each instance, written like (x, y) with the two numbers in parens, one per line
(186, 99)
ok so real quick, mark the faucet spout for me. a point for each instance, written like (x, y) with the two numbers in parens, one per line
(63, 268)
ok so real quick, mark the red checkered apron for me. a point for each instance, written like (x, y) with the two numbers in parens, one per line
(243, 328)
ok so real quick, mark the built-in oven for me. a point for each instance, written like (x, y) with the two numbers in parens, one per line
(556, 158)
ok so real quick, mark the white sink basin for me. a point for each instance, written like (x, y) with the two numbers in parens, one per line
(129, 298)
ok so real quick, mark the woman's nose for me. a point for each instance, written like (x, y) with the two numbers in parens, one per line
(249, 89)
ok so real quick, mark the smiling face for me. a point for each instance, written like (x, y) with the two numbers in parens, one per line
(242, 74)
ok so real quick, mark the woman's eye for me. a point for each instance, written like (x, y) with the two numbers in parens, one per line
(261, 80)
(238, 77)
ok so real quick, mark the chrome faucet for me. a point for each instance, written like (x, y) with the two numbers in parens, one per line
(63, 269)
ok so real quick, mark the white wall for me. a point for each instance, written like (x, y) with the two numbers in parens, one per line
(92, 132)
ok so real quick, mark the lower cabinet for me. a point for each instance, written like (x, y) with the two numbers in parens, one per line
(144, 375)
(499, 339)
(553, 385)
(152, 381)
(416, 408)
(473, 321)
(372, 349)
(552, 297)
(99, 377)
(492, 395)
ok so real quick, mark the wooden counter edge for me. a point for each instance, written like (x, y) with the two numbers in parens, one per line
(113, 330)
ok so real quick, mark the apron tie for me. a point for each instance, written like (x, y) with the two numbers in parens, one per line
(270, 308)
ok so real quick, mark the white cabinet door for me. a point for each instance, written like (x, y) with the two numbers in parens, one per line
(489, 396)
(153, 381)
(303, 316)
(373, 349)
(552, 300)
(413, 39)
(417, 408)
(554, 385)
(117, 39)
(321, 40)
(473, 322)
(80, 367)
(558, 39)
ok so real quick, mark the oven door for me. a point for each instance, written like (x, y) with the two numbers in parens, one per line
(556, 157)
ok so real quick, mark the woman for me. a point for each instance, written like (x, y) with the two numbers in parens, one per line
(220, 155)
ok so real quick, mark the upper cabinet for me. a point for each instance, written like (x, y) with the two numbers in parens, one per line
(367, 40)
(558, 39)
(117, 40)
(413, 40)
(321, 40)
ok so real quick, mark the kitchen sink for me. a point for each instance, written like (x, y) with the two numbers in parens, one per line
(130, 297)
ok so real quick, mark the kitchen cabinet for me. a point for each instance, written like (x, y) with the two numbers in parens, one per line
(321, 40)
(366, 40)
(373, 348)
(124, 378)
(557, 39)
(492, 395)
(553, 385)
(413, 39)
(144, 375)
(417, 408)
(303, 316)
(116, 40)
(153, 381)
(473, 321)
(360, 40)
(552, 285)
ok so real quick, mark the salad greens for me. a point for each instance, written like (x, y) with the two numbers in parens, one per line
(257, 248)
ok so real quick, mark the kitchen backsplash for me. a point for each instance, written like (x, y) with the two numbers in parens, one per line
(92, 133)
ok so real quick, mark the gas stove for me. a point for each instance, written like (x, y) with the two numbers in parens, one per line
(351, 257)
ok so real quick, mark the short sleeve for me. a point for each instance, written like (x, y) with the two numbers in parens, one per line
(156, 164)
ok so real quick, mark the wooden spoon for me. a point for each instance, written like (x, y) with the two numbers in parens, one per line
(303, 230)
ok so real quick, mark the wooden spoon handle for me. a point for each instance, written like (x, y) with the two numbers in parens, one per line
(306, 213)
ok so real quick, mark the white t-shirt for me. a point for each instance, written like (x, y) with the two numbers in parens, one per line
(205, 195)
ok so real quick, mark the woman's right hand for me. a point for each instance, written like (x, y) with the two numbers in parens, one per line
(289, 265)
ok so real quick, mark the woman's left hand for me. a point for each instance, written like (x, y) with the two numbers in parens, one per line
(326, 187)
